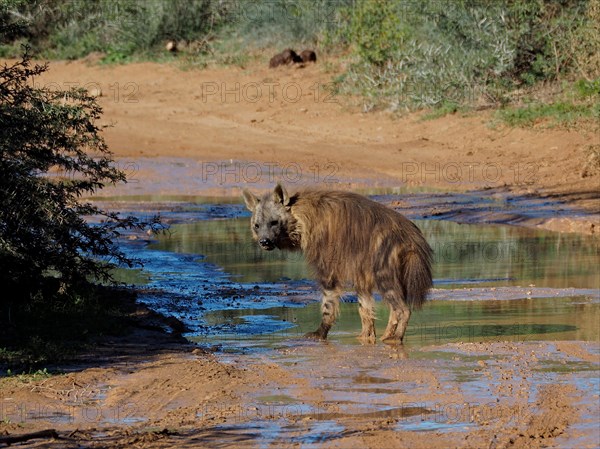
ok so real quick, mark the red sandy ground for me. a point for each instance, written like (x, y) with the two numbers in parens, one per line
(285, 122)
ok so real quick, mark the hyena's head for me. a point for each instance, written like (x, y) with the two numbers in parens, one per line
(272, 222)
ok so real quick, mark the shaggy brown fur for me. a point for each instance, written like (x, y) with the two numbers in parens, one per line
(286, 57)
(308, 56)
(349, 239)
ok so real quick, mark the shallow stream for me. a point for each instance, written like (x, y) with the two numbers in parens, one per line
(492, 284)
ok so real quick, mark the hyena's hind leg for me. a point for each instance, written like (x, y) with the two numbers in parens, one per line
(366, 309)
(399, 317)
(330, 308)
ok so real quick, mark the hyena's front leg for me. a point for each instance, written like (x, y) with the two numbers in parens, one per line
(366, 305)
(330, 308)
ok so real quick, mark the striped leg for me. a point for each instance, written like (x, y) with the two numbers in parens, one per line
(366, 305)
(399, 317)
(404, 316)
(330, 307)
(392, 325)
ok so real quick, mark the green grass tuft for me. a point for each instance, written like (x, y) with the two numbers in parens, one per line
(446, 108)
(553, 114)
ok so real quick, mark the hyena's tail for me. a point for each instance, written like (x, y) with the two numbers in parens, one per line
(417, 278)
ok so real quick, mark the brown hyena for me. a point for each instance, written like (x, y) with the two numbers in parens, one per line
(308, 56)
(286, 57)
(347, 238)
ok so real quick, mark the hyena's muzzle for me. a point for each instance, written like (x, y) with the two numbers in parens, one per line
(266, 244)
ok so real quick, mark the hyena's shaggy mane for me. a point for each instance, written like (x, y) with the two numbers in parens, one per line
(347, 238)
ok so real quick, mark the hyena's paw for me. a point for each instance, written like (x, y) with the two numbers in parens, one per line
(316, 335)
(391, 339)
(367, 338)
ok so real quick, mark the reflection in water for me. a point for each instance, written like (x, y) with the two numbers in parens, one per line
(523, 256)
(438, 322)
(229, 244)
(464, 254)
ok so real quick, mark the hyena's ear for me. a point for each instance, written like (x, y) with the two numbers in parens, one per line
(250, 200)
(281, 195)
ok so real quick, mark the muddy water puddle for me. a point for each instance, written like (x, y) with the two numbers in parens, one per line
(210, 274)
(463, 254)
(494, 285)
(563, 318)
